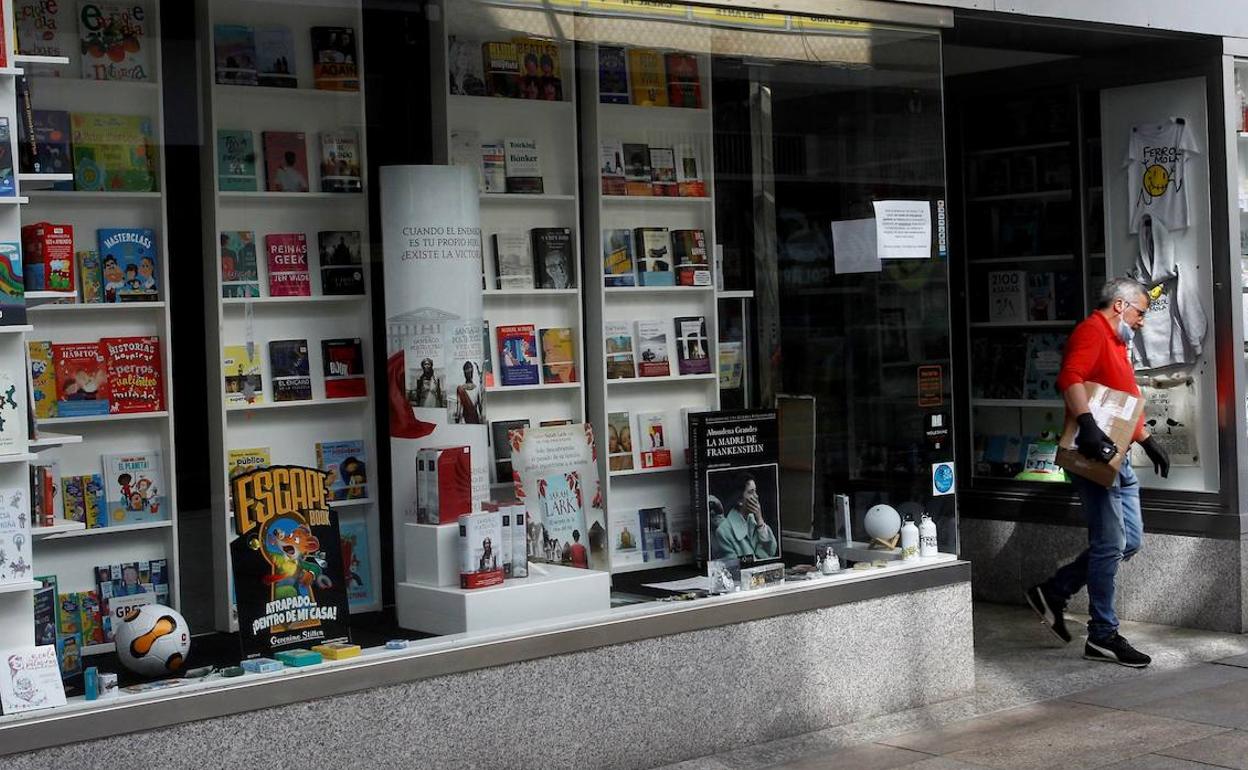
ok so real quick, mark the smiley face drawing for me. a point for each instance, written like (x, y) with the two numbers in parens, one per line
(1156, 180)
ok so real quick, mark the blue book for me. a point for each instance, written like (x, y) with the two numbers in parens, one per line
(517, 355)
(345, 462)
(134, 487)
(129, 264)
(356, 566)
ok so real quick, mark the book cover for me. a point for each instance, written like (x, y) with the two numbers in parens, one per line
(73, 498)
(462, 346)
(90, 619)
(517, 354)
(561, 499)
(81, 379)
(467, 78)
(289, 370)
(128, 264)
(500, 444)
(523, 165)
(8, 183)
(236, 161)
(14, 413)
(652, 349)
(346, 466)
(1007, 301)
(663, 172)
(15, 540)
(1044, 361)
(653, 443)
(135, 374)
(134, 488)
(45, 612)
(288, 265)
(239, 272)
(654, 256)
(12, 286)
(487, 355)
(112, 152)
(340, 162)
(42, 378)
(611, 167)
(31, 680)
(342, 361)
(618, 338)
(612, 75)
(240, 366)
(513, 262)
(335, 65)
(93, 501)
(90, 278)
(637, 179)
(46, 29)
(646, 77)
(285, 161)
(554, 265)
(619, 441)
(652, 523)
(689, 181)
(617, 258)
(276, 64)
(480, 549)
(239, 461)
(684, 86)
(47, 256)
(692, 346)
(114, 41)
(234, 46)
(540, 76)
(502, 70)
(342, 268)
(357, 569)
(734, 492)
(27, 142)
(1041, 300)
(494, 167)
(444, 484)
(558, 355)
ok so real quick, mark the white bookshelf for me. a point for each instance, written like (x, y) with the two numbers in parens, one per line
(626, 492)
(290, 430)
(67, 549)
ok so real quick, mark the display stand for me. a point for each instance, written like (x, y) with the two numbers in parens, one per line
(290, 430)
(69, 550)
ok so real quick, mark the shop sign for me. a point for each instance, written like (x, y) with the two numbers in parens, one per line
(828, 24)
(931, 387)
(648, 8)
(737, 17)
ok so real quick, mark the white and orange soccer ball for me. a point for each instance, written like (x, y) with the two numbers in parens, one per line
(152, 640)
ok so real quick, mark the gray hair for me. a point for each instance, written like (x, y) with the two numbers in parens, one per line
(1121, 288)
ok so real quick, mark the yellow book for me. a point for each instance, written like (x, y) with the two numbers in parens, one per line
(243, 460)
(42, 378)
(337, 650)
(243, 381)
(646, 77)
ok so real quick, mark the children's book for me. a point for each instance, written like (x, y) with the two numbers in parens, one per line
(340, 162)
(617, 258)
(342, 270)
(128, 264)
(12, 286)
(134, 488)
(335, 64)
(619, 350)
(81, 379)
(288, 265)
(342, 361)
(239, 273)
(289, 370)
(285, 161)
(46, 29)
(135, 374)
(652, 360)
(276, 64)
(114, 41)
(236, 161)
(90, 279)
(240, 365)
(42, 378)
(357, 569)
(235, 49)
(517, 354)
(558, 355)
(31, 680)
(692, 346)
(15, 541)
(8, 184)
(239, 461)
(52, 148)
(112, 152)
(619, 441)
(48, 257)
(346, 463)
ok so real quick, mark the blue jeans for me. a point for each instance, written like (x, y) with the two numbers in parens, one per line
(1115, 532)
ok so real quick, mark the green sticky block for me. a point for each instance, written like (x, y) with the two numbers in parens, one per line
(298, 658)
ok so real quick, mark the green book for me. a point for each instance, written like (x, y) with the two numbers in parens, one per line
(113, 152)
(236, 161)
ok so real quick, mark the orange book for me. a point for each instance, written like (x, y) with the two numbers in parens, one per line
(647, 77)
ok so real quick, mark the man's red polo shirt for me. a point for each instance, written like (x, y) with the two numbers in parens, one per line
(1095, 353)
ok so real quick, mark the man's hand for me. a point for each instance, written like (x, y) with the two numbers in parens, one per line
(1158, 456)
(1092, 442)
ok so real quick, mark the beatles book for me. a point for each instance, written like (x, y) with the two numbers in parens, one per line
(335, 66)
(342, 270)
(288, 265)
(128, 264)
(285, 161)
(289, 370)
(112, 153)
(540, 76)
(135, 374)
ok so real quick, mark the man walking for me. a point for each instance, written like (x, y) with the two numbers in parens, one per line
(1097, 352)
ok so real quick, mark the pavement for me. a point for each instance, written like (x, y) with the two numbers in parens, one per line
(1038, 704)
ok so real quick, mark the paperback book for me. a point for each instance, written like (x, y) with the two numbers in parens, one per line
(619, 441)
(689, 249)
(618, 338)
(480, 549)
(652, 360)
(239, 461)
(617, 258)
(517, 355)
(128, 264)
(663, 172)
(46, 29)
(240, 365)
(42, 378)
(540, 76)
(342, 268)
(288, 265)
(285, 161)
(466, 152)
(335, 66)
(523, 165)
(654, 256)
(81, 379)
(135, 374)
(637, 178)
(114, 41)
(612, 75)
(443, 484)
(48, 257)
(467, 78)
(494, 167)
(346, 468)
(652, 523)
(646, 77)
(502, 70)
(553, 260)
(90, 279)
(611, 167)
(112, 152)
(561, 501)
(343, 364)
(134, 489)
(557, 478)
(239, 272)
(689, 182)
(653, 441)
(1044, 361)
(513, 262)
(684, 87)
(13, 407)
(289, 370)
(357, 570)
(236, 161)
(52, 148)
(340, 162)
(500, 443)
(235, 49)
(12, 286)
(275, 57)
(558, 355)
(1041, 299)
(692, 346)
(1007, 295)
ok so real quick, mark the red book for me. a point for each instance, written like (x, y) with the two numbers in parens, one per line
(684, 87)
(135, 380)
(288, 265)
(81, 379)
(342, 361)
(48, 257)
(285, 161)
(444, 483)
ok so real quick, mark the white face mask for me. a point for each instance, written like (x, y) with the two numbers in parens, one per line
(1125, 332)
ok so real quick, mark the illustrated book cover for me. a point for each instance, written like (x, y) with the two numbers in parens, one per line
(652, 357)
(15, 539)
(42, 378)
(276, 63)
(1007, 300)
(128, 264)
(517, 354)
(289, 370)
(90, 278)
(559, 486)
(30, 680)
(1044, 361)
(617, 258)
(689, 249)
(239, 461)
(346, 468)
(134, 487)
(112, 153)
(342, 361)
(81, 379)
(114, 41)
(285, 161)
(239, 272)
(48, 257)
(236, 161)
(53, 154)
(464, 66)
(234, 46)
(540, 75)
(288, 265)
(46, 29)
(654, 256)
(558, 355)
(357, 567)
(135, 374)
(240, 366)
(502, 70)
(12, 286)
(618, 339)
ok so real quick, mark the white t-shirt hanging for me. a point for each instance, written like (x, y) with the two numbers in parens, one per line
(1155, 165)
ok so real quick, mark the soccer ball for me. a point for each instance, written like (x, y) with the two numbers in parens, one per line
(152, 639)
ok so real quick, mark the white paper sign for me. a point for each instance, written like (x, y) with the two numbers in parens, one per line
(903, 229)
(30, 679)
(854, 247)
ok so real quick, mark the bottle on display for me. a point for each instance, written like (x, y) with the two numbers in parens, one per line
(909, 540)
(927, 537)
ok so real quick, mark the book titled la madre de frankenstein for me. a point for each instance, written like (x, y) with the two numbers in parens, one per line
(289, 370)
(134, 487)
(128, 264)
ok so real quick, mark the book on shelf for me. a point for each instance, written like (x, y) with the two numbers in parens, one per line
(652, 523)
(494, 167)
(288, 265)
(467, 78)
(618, 344)
(653, 442)
(652, 358)
(12, 286)
(340, 162)
(517, 355)
(90, 277)
(48, 257)
(289, 370)
(558, 355)
(335, 64)
(82, 500)
(612, 75)
(523, 165)
(240, 461)
(480, 549)
(240, 275)
(500, 444)
(28, 160)
(342, 266)
(663, 172)
(465, 151)
(240, 366)
(128, 264)
(684, 86)
(46, 29)
(693, 354)
(42, 378)
(637, 178)
(357, 569)
(1007, 300)
(45, 487)
(346, 467)
(46, 619)
(646, 77)
(540, 76)
(554, 265)
(617, 258)
(619, 441)
(236, 161)
(114, 41)
(135, 374)
(1044, 361)
(654, 256)
(1041, 299)
(31, 680)
(562, 501)
(611, 167)
(81, 379)
(487, 355)
(134, 488)
(14, 537)
(513, 261)
(14, 409)
(443, 484)
(125, 586)
(234, 49)
(285, 161)
(51, 133)
(689, 250)
(342, 361)
(8, 171)
(112, 153)
(276, 65)
(502, 70)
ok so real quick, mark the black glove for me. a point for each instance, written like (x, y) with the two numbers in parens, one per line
(1092, 441)
(1158, 456)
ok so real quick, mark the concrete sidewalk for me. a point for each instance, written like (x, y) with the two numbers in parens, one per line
(1039, 704)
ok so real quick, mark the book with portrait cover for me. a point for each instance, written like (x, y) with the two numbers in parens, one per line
(128, 264)
(517, 355)
(480, 549)
(663, 172)
(554, 265)
(502, 70)
(684, 87)
(340, 162)
(235, 48)
(285, 161)
(557, 479)
(114, 41)
(540, 76)
(236, 161)
(692, 346)
(637, 179)
(513, 261)
(239, 272)
(654, 256)
(289, 370)
(619, 441)
(136, 380)
(617, 258)
(500, 444)
(240, 366)
(112, 153)
(288, 265)
(612, 75)
(646, 79)
(558, 355)
(346, 467)
(611, 167)
(276, 65)
(134, 488)
(652, 359)
(81, 379)
(342, 361)
(342, 269)
(618, 344)
(335, 65)
(522, 165)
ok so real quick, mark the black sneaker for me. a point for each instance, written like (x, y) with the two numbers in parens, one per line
(1115, 650)
(1050, 612)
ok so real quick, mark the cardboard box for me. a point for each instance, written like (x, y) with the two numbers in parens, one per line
(1117, 413)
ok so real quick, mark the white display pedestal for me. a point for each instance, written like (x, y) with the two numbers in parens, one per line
(562, 591)
(853, 550)
(432, 554)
